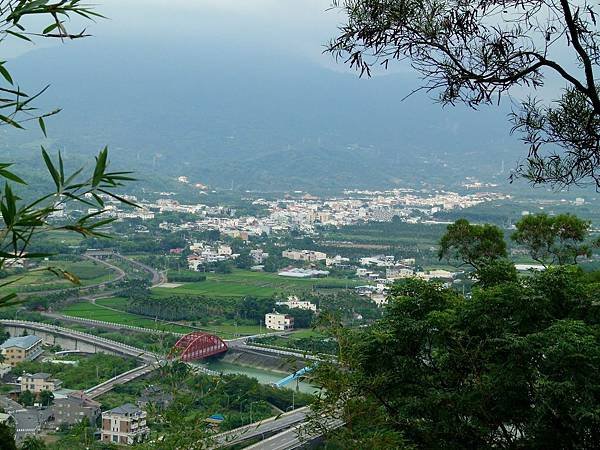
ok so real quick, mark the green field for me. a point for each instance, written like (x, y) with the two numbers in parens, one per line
(88, 272)
(97, 312)
(240, 283)
(87, 310)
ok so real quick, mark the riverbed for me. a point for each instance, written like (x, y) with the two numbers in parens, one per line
(263, 376)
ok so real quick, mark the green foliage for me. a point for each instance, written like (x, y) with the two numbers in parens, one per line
(514, 366)
(33, 443)
(26, 398)
(46, 398)
(185, 276)
(553, 240)
(475, 245)
(7, 437)
(21, 220)
(89, 371)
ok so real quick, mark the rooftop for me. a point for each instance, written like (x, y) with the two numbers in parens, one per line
(126, 409)
(39, 375)
(24, 342)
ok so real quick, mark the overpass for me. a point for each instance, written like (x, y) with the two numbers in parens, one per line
(77, 340)
(261, 429)
(295, 437)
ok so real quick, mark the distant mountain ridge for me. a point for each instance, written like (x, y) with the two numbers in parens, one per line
(259, 122)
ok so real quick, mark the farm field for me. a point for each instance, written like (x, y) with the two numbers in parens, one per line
(240, 283)
(228, 330)
(87, 310)
(89, 273)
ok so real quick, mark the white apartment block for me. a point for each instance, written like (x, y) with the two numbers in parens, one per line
(304, 255)
(293, 302)
(279, 322)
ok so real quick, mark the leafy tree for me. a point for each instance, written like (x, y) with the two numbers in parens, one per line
(7, 437)
(553, 240)
(26, 398)
(46, 398)
(475, 245)
(514, 366)
(244, 260)
(33, 443)
(476, 52)
(22, 219)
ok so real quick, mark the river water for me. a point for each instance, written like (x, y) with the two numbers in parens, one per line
(263, 376)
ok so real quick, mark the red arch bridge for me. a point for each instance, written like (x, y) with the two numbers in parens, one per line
(197, 345)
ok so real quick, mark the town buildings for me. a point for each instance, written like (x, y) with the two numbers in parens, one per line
(124, 425)
(279, 322)
(293, 302)
(304, 255)
(73, 407)
(21, 348)
(39, 382)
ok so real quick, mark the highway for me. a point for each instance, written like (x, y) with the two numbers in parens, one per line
(260, 429)
(98, 341)
(292, 438)
(158, 277)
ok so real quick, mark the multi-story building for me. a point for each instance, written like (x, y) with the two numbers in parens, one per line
(304, 255)
(293, 302)
(39, 382)
(74, 407)
(124, 425)
(280, 322)
(22, 348)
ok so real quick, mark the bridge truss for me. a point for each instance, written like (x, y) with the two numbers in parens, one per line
(197, 345)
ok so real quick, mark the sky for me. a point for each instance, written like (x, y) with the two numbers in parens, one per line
(300, 28)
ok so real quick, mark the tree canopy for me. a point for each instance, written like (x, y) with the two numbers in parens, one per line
(477, 52)
(512, 364)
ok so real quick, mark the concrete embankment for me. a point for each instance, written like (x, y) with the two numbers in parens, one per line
(252, 358)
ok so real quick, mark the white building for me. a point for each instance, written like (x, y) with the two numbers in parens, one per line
(293, 302)
(304, 255)
(279, 322)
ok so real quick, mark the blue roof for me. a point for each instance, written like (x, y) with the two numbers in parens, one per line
(21, 341)
(217, 417)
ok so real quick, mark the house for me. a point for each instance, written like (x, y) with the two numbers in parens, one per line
(39, 382)
(293, 302)
(125, 425)
(280, 322)
(73, 407)
(258, 255)
(22, 348)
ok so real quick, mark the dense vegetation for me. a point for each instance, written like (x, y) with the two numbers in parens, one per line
(89, 370)
(513, 365)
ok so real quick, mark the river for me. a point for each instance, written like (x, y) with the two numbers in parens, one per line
(263, 376)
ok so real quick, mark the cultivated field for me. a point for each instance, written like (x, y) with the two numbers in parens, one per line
(241, 283)
(89, 273)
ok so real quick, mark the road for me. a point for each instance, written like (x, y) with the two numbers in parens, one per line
(158, 277)
(123, 378)
(98, 341)
(120, 275)
(260, 429)
(292, 438)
